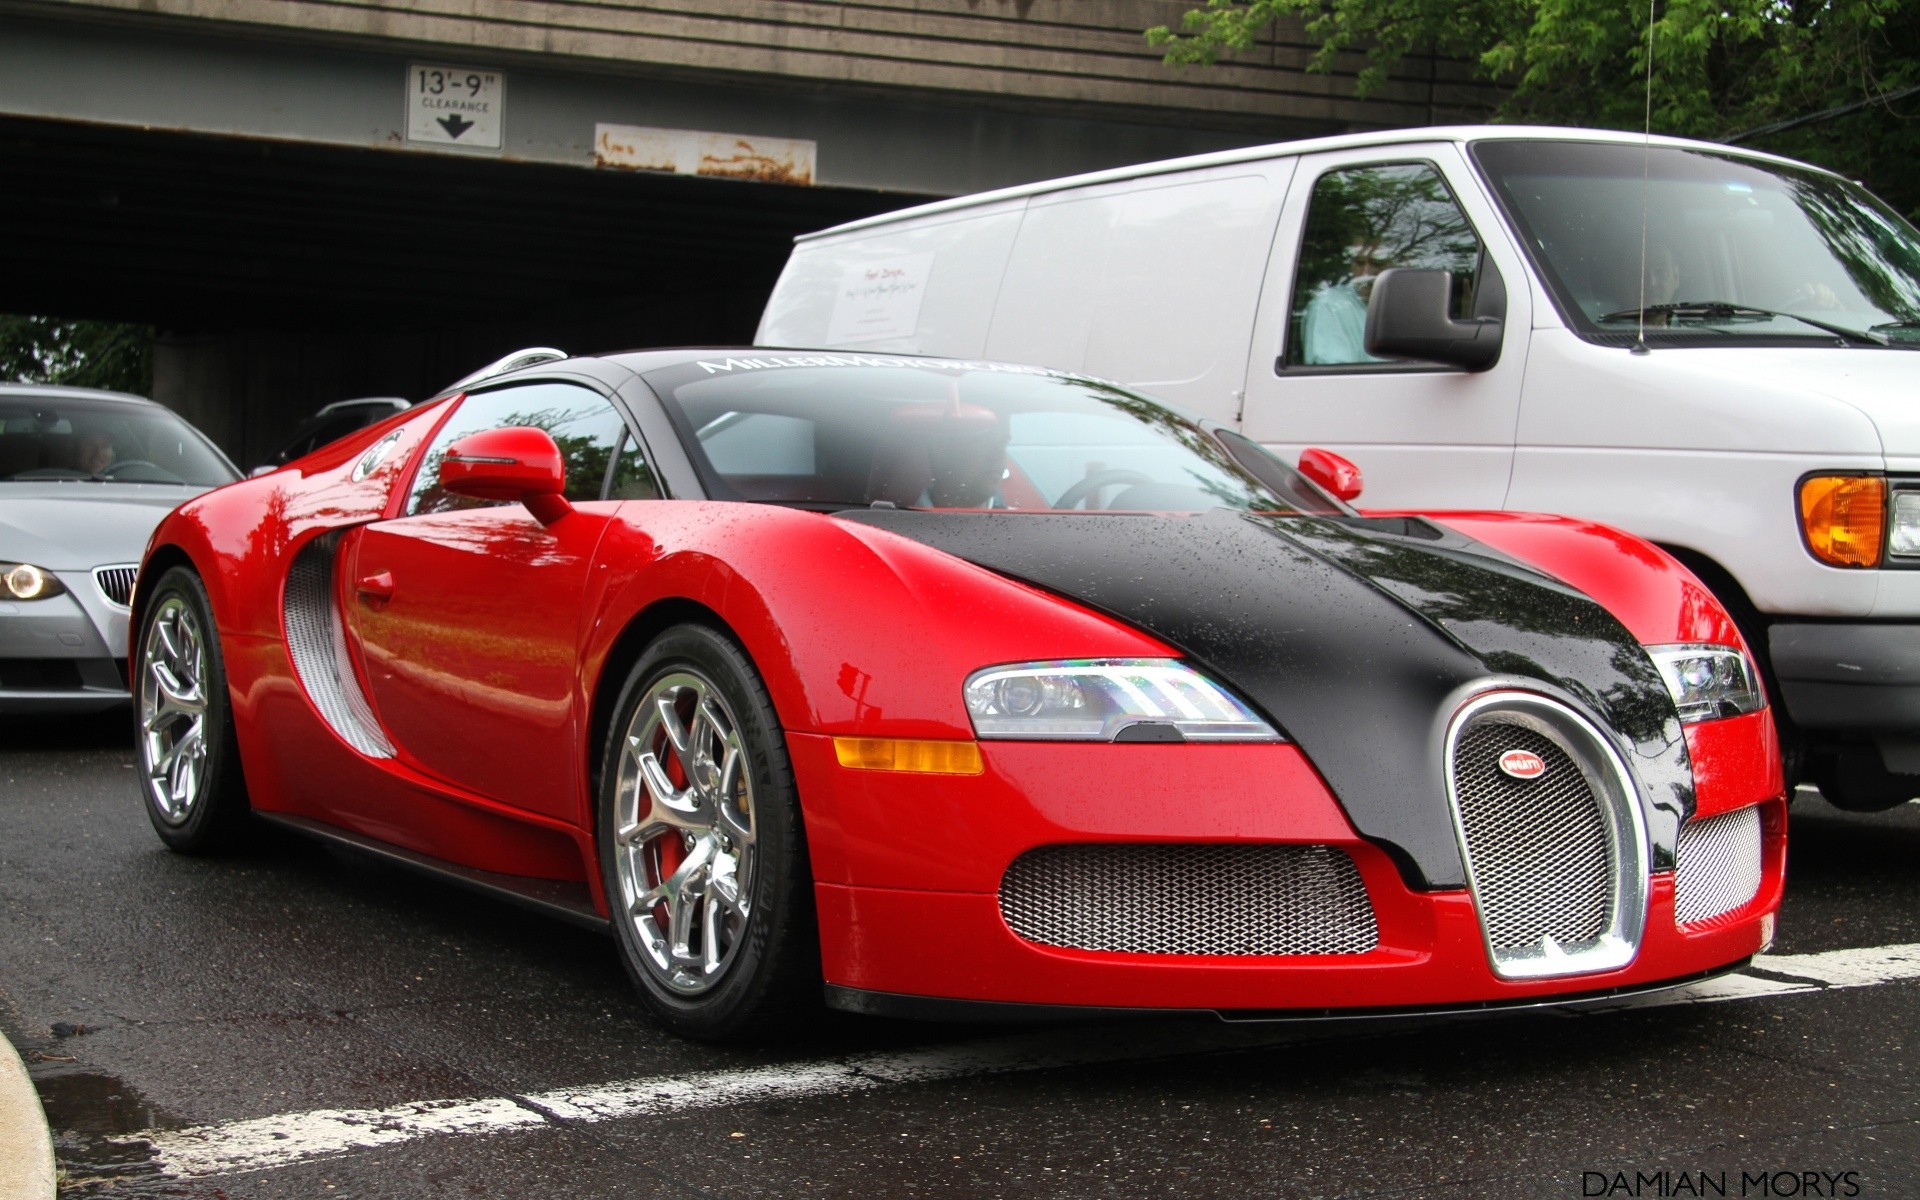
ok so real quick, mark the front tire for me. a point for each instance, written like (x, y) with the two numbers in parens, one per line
(1855, 779)
(702, 852)
(189, 761)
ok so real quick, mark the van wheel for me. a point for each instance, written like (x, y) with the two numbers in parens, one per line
(1856, 780)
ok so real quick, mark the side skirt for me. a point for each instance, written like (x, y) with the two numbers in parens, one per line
(570, 902)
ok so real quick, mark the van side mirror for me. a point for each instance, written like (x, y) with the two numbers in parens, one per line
(513, 463)
(1336, 475)
(1407, 317)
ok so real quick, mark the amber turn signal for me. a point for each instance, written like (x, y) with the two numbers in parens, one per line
(1844, 518)
(923, 758)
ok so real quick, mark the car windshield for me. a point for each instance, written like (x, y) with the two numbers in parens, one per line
(1733, 247)
(846, 431)
(81, 440)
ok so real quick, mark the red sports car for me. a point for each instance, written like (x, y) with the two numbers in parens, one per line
(961, 687)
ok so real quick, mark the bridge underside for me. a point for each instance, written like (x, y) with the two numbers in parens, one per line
(284, 275)
(256, 194)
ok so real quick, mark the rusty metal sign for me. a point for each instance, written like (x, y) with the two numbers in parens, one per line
(696, 152)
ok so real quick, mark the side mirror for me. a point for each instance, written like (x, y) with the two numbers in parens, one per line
(514, 463)
(1337, 475)
(1407, 317)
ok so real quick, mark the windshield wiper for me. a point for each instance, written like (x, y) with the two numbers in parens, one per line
(1709, 309)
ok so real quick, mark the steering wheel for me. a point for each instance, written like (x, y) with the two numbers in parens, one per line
(1086, 488)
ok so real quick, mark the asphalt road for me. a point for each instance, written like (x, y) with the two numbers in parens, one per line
(256, 1015)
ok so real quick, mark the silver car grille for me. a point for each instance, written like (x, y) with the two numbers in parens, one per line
(1557, 863)
(1718, 866)
(318, 643)
(1202, 898)
(116, 583)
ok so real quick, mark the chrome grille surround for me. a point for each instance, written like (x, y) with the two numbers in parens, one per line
(116, 583)
(1557, 865)
(317, 641)
(1719, 866)
(1200, 898)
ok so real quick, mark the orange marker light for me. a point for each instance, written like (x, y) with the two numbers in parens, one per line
(922, 758)
(1844, 518)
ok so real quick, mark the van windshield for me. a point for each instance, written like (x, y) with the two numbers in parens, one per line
(1735, 249)
(834, 431)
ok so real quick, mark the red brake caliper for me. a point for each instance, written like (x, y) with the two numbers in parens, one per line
(668, 849)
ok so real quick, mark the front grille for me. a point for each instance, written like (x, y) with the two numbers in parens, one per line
(318, 646)
(1201, 898)
(116, 583)
(1539, 846)
(1717, 869)
(1557, 862)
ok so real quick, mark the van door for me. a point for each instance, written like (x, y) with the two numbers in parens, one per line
(1422, 434)
(1152, 282)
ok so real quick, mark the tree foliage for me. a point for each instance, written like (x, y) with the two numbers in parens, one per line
(1720, 67)
(99, 354)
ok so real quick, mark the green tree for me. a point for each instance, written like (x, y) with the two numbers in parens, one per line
(1720, 67)
(98, 354)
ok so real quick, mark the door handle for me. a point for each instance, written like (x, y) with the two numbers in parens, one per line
(376, 589)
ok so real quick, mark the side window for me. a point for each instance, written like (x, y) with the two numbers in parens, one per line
(1360, 221)
(632, 477)
(582, 423)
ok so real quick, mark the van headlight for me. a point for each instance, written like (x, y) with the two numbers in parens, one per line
(1105, 700)
(1708, 682)
(1904, 538)
(24, 581)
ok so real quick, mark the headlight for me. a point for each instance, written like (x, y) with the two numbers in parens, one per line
(1708, 681)
(1104, 700)
(28, 582)
(1905, 538)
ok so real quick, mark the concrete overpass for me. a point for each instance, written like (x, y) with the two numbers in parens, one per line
(319, 198)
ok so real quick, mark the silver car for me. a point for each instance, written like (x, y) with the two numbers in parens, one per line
(85, 475)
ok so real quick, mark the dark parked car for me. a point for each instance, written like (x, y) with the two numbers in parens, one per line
(333, 422)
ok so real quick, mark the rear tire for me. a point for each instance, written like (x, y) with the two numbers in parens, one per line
(189, 759)
(702, 851)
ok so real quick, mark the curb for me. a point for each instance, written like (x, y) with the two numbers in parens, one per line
(26, 1146)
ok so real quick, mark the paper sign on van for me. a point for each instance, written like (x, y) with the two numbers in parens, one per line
(880, 299)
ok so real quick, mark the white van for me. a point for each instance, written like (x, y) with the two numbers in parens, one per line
(1734, 380)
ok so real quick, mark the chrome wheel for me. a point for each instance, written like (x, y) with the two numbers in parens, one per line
(683, 827)
(173, 710)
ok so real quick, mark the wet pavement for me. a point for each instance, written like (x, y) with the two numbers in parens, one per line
(152, 992)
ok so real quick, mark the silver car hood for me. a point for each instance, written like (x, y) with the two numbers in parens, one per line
(79, 525)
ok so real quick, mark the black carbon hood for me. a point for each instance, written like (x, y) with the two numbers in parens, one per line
(1358, 637)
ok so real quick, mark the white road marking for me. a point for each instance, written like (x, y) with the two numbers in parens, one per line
(1847, 968)
(278, 1141)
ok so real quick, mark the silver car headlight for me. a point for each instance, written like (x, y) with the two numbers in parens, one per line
(1109, 699)
(1707, 682)
(24, 581)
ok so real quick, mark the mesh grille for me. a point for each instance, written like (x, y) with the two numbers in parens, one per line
(319, 650)
(1718, 868)
(1190, 899)
(1538, 847)
(116, 583)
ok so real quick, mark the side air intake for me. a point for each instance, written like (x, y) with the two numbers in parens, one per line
(318, 642)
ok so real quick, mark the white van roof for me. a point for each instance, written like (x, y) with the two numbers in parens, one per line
(1344, 141)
